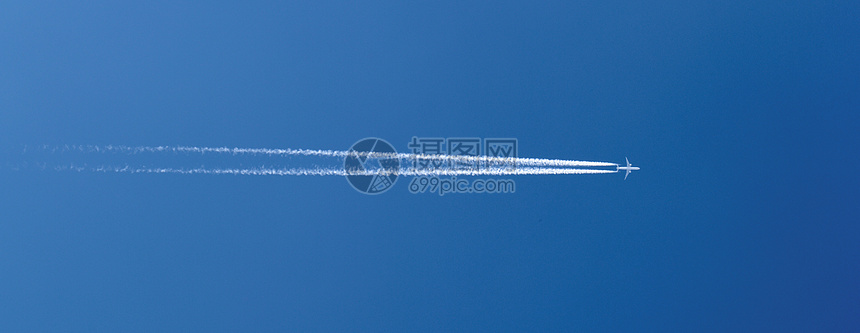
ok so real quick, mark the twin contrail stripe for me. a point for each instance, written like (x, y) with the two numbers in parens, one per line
(341, 172)
(535, 162)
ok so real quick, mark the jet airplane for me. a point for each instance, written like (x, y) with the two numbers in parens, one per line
(629, 168)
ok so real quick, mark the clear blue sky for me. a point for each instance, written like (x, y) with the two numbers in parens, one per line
(743, 116)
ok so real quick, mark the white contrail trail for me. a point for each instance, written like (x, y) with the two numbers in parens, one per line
(537, 162)
(342, 172)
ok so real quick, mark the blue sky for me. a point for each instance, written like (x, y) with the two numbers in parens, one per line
(743, 117)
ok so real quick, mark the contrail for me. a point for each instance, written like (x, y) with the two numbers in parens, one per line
(536, 162)
(342, 172)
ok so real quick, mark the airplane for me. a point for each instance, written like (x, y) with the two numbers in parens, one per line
(629, 168)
